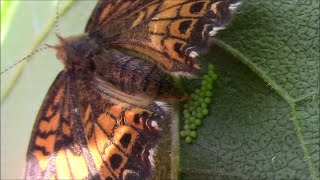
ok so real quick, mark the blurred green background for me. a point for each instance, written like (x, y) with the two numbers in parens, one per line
(26, 24)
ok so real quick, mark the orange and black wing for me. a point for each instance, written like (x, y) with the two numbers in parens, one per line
(58, 148)
(107, 11)
(83, 133)
(172, 33)
(120, 136)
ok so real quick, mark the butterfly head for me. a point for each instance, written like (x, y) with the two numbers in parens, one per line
(74, 51)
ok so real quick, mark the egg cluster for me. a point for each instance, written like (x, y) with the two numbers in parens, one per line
(197, 107)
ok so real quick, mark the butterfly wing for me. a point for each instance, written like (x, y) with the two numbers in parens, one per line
(108, 11)
(57, 147)
(120, 136)
(81, 132)
(172, 33)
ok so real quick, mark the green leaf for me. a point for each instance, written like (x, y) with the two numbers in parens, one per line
(264, 122)
(7, 12)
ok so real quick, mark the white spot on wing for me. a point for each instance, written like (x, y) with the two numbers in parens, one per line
(215, 30)
(205, 30)
(151, 155)
(196, 66)
(234, 6)
(154, 124)
(164, 106)
(183, 74)
(193, 54)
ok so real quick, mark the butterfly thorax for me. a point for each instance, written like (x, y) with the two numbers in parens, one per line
(75, 53)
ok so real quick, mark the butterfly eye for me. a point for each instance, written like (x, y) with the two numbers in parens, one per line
(60, 49)
(61, 55)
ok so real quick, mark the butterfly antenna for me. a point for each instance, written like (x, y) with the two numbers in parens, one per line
(56, 29)
(25, 58)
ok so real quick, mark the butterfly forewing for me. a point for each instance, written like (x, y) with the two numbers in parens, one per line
(108, 10)
(172, 33)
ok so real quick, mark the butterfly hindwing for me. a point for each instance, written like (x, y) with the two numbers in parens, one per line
(45, 132)
(57, 146)
(87, 134)
(172, 33)
(119, 134)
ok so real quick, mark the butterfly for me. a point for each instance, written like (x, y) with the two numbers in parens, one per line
(99, 119)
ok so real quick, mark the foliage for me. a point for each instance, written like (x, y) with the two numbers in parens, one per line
(264, 119)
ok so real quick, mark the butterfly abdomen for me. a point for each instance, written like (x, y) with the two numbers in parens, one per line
(135, 76)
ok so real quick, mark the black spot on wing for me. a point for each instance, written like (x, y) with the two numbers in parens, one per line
(108, 178)
(125, 140)
(177, 48)
(136, 119)
(115, 161)
(184, 26)
(196, 7)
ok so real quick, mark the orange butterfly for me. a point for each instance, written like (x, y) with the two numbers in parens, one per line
(100, 117)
